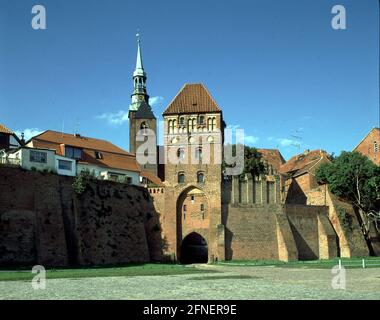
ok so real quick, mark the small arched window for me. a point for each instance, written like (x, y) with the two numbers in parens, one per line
(198, 153)
(201, 120)
(200, 177)
(181, 153)
(181, 177)
(213, 124)
(144, 128)
(170, 124)
(182, 121)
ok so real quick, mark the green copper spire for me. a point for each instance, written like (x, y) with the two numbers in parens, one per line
(139, 71)
(139, 94)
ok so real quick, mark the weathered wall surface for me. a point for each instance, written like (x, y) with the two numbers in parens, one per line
(43, 221)
(250, 232)
(314, 236)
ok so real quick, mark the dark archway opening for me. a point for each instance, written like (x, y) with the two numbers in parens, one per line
(194, 249)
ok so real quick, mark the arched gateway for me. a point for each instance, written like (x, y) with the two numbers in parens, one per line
(194, 249)
(193, 224)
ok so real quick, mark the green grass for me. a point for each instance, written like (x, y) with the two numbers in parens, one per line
(211, 278)
(149, 269)
(371, 262)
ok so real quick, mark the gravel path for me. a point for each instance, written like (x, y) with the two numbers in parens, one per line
(229, 283)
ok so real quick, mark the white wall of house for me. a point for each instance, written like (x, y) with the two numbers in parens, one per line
(110, 173)
(65, 166)
(39, 159)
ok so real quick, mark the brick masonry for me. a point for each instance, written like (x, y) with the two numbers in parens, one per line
(43, 221)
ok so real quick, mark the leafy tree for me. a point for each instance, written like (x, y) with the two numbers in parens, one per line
(252, 162)
(354, 177)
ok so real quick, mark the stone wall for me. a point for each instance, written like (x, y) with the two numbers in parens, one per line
(314, 236)
(251, 232)
(42, 220)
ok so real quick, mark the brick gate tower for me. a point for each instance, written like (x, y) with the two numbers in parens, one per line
(193, 140)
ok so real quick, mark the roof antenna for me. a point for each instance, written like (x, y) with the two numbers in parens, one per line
(63, 126)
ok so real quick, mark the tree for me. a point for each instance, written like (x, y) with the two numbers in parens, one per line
(252, 162)
(354, 177)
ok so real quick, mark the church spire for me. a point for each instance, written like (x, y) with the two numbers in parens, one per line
(139, 80)
(139, 71)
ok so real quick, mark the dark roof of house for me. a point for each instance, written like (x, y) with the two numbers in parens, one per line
(4, 129)
(273, 157)
(192, 98)
(303, 162)
(152, 178)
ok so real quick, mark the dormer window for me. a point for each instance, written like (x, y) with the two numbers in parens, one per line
(98, 155)
(73, 153)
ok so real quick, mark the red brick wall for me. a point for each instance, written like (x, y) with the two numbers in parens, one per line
(367, 146)
(43, 221)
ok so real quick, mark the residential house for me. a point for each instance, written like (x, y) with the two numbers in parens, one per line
(99, 158)
(39, 159)
(8, 139)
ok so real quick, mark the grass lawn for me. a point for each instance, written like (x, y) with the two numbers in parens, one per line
(150, 269)
(370, 262)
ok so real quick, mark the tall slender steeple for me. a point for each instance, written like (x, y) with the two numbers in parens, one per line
(139, 80)
(141, 118)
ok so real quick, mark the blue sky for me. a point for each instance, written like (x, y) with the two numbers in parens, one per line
(276, 68)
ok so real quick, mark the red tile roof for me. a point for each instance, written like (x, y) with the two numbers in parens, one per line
(4, 129)
(152, 178)
(303, 161)
(192, 98)
(111, 155)
(273, 157)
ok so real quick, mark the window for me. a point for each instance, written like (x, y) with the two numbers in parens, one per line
(181, 177)
(128, 180)
(200, 177)
(184, 207)
(181, 153)
(201, 120)
(98, 155)
(192, 199)
(182, 121)
(191, 123)
(198, 154)
(73, 153)
(113, 177)
(375, 147)
(64, 165)
(144, 128)
(38, 156)
(202, 207)
(211, 124)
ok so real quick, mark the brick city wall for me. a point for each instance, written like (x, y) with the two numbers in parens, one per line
(314, 236)
(43, 221)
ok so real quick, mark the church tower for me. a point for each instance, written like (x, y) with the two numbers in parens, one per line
(142, 122)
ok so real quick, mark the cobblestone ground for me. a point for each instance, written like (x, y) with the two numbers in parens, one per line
(229, 283)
